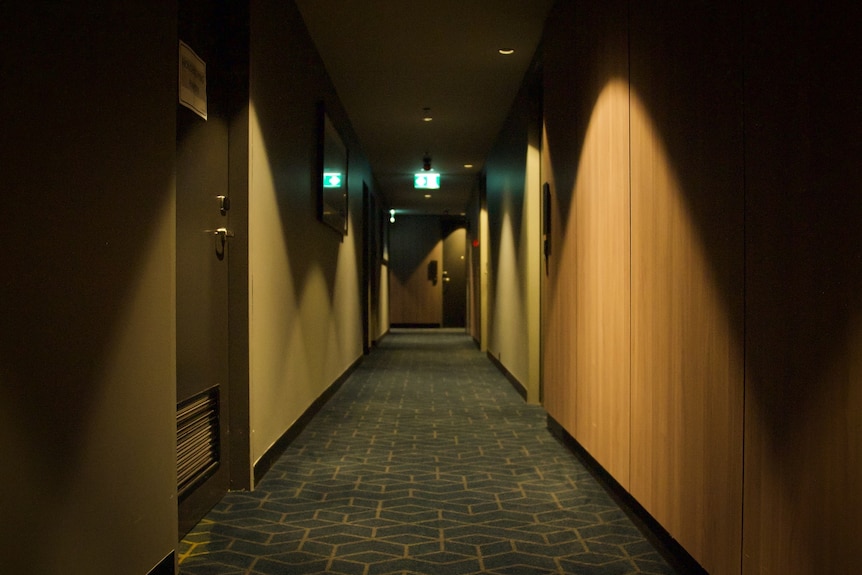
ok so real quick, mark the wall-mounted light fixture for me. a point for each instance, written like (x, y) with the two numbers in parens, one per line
(426, 115)
(392, 216)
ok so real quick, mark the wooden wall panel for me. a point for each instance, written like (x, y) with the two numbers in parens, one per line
(585, 295)
(687, 395)
(687, 275)
(415, 241)
(559, 156)
(558, 312)
(803, 421)
(474, 267)
(746, 283)
(602, 261)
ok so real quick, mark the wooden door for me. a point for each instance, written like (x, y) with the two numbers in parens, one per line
(455, 275)
(415, 272)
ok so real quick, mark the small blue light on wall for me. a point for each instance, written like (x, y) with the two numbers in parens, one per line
(332, 179)
(426, 181)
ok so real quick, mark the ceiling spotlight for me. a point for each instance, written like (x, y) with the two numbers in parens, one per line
(506, 51)
(426, 115)
(426, 163)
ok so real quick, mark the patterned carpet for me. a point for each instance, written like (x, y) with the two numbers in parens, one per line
(425, 462)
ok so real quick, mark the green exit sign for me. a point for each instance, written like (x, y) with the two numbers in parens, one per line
(332, 179)
(426, 181)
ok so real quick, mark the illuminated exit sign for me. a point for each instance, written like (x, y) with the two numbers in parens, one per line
(426, 181)
(332, 179)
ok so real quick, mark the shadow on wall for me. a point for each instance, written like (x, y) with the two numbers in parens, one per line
(638, 233)
(803, 285)
(87, 285)
(700, 205)
(803, 212)
(285, 102)
(770, 208)
(412, 240)
(306, 278)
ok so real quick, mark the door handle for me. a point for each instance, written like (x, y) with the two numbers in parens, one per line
(223, 232)
(221, 235)
(223, 204)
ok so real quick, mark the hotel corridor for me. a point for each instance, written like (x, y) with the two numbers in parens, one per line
(425, 461)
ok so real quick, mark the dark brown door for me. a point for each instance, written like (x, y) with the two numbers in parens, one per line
(454, 275)
(415, 266)
(203, 251)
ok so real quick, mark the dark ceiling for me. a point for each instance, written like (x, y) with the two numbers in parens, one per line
(391, 59)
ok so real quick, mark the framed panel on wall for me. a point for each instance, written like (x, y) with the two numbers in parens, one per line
(331, 174)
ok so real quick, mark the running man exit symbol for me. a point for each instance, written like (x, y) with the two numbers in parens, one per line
(426, 181)
(332, 179)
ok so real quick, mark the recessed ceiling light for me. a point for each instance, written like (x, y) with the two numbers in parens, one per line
(506, 51)
(427, 195)
(468, 166)
(426, 115)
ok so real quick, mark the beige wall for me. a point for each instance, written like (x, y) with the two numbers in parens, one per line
(87, 336)
(383, 315)
(513, 191)
(305, 323)
(701, 309)
(383, 301)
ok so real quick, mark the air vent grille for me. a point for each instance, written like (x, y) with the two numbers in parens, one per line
(198, 448)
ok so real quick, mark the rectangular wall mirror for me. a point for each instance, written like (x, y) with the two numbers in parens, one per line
(331, 174)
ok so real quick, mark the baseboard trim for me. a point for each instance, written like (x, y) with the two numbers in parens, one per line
(674, 553)
(519, 387)
(268, 459)
(167, 566)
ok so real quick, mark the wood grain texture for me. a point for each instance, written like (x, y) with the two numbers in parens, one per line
(746, 288)
(602, 261)
(558, 315)
(415, 241)
(803, 440)
(687, 396)
(586, 289)
(687, 276)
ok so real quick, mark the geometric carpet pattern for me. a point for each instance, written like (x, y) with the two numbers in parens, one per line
(426, 461)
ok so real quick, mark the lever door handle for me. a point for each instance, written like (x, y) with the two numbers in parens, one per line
(223, 232)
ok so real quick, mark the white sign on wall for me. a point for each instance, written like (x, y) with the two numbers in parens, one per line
(193, 81)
